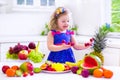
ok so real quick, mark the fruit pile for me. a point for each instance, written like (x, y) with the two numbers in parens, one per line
(24, 52)
(18, 71)
(90, 65)
(55, 67)
(98, 72)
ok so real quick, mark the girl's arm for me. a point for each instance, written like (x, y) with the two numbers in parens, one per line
(52, 47)
(78, 46)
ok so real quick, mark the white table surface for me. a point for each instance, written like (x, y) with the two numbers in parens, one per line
(63, 76)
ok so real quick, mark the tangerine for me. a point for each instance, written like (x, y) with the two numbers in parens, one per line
(10, 72)
(108, 73)
(15, 67)
(98, 73)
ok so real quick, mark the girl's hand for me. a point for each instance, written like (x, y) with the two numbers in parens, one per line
(89, 43)
(65, 46)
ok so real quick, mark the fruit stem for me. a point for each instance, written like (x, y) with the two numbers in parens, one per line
(36, 50)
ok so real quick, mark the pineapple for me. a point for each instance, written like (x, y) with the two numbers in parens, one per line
(99, 43)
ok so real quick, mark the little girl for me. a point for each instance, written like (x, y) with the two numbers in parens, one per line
(60, 39)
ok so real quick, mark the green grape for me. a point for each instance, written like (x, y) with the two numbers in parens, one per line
(35, 57)
(11, 56)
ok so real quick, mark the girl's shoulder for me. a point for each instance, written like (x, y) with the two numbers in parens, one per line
(70, 32)
(54, 32)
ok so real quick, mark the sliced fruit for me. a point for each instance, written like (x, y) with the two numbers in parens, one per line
(91, 62)
(58, 67)
(44, 66)
(67, 67)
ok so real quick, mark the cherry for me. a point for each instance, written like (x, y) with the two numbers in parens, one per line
(87, 44)
(72, 44)
(91, 40)
(63, 41)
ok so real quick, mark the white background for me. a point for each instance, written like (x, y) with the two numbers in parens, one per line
(87, 14)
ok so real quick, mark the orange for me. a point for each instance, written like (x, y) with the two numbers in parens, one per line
(98, 73)
(10, 72)
(15, 67)
(108, 73)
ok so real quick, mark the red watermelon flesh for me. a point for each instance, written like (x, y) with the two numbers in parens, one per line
(90, 62)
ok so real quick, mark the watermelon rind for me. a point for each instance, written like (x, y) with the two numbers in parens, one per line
(89, 66)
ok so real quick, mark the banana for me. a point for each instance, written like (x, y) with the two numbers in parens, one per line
(71, 64)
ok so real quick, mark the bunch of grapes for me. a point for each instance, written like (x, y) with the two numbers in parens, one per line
(35, 56)
(13, 51)
(17, 48)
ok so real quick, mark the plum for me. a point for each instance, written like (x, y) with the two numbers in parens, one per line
(85, 73)
(32, 45)
(74, 69)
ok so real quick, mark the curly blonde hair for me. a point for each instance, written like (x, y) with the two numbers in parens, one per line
(60, 11)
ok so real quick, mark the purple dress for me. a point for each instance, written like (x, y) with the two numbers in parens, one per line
(63, 55)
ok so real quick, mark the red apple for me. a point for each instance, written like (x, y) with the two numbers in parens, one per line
(22, 55)
(26, 67)
(4, 68)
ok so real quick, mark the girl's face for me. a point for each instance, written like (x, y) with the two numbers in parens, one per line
(63, 22)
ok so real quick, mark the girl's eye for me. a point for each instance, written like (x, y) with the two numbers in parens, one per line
(67, 21)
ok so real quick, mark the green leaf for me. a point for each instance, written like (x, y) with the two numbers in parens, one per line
(43, 33)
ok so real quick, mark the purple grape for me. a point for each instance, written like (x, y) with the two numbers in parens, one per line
(24, 47)
(32, 45)
(10, 50)
(85, 73)
(17, 48)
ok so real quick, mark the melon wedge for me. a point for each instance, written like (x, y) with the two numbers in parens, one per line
(91, 62)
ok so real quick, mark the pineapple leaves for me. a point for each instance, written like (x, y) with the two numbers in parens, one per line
(100, 40)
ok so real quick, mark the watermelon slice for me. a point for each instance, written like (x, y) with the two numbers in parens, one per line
(91, 62)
